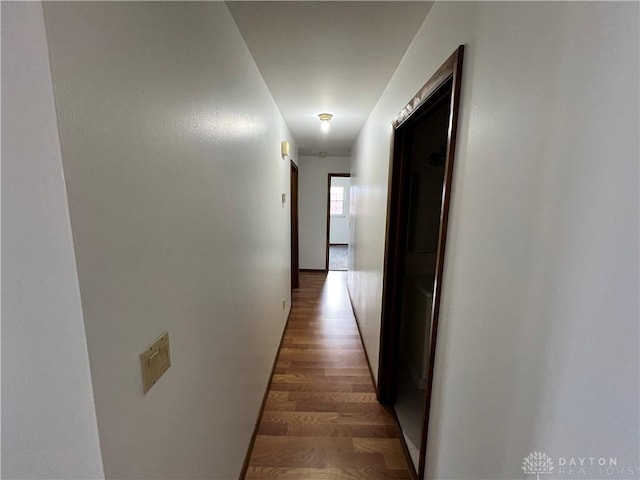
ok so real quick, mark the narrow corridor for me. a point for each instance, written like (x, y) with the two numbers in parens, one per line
(321, 419)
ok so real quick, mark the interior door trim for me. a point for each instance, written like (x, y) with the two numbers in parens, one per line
(330, 175)
(295, 248)
(449, 75)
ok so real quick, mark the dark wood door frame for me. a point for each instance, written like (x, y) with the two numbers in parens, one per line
(447, 77)
(295, 251)
(331, 175)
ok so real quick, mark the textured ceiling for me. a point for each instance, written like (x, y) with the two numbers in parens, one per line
(334, 57)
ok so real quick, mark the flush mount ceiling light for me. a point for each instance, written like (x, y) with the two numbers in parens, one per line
(325, 122)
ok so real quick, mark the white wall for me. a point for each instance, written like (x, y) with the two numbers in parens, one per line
(538, 341)
(49, 428)
(339, 225)
(171, 149)
(313, 184)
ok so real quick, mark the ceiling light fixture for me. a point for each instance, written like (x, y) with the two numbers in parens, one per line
(325, 122)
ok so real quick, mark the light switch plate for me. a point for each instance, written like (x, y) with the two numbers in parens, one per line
(154, 361)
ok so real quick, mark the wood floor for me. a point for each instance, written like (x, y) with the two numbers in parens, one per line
(321, 419)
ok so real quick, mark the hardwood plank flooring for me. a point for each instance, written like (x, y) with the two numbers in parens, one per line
(321, 420)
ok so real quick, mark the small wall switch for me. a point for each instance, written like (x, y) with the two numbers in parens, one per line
(284, 303)
(154, 361)
(284, 198)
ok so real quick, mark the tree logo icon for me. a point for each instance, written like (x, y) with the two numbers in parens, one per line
(537, 463)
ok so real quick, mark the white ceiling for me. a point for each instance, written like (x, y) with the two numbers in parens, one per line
(329, 56)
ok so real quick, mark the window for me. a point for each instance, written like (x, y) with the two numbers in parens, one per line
(336, 200)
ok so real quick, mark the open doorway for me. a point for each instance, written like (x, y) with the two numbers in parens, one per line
(295, 255)
(419, 196)
(338, 221)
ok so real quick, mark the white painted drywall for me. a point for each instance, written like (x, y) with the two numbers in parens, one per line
(171, 150)
(339, 225)
(327, 56)
(49, 428)
(312, 202)
(538, 341)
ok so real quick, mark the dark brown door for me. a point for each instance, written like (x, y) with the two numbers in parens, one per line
(295, 267)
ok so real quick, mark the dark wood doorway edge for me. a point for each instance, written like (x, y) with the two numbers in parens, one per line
(329, 176)
(449, 72)
(295, 250)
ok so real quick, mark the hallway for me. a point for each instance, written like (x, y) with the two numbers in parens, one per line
(321, 419)
(147, 159)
